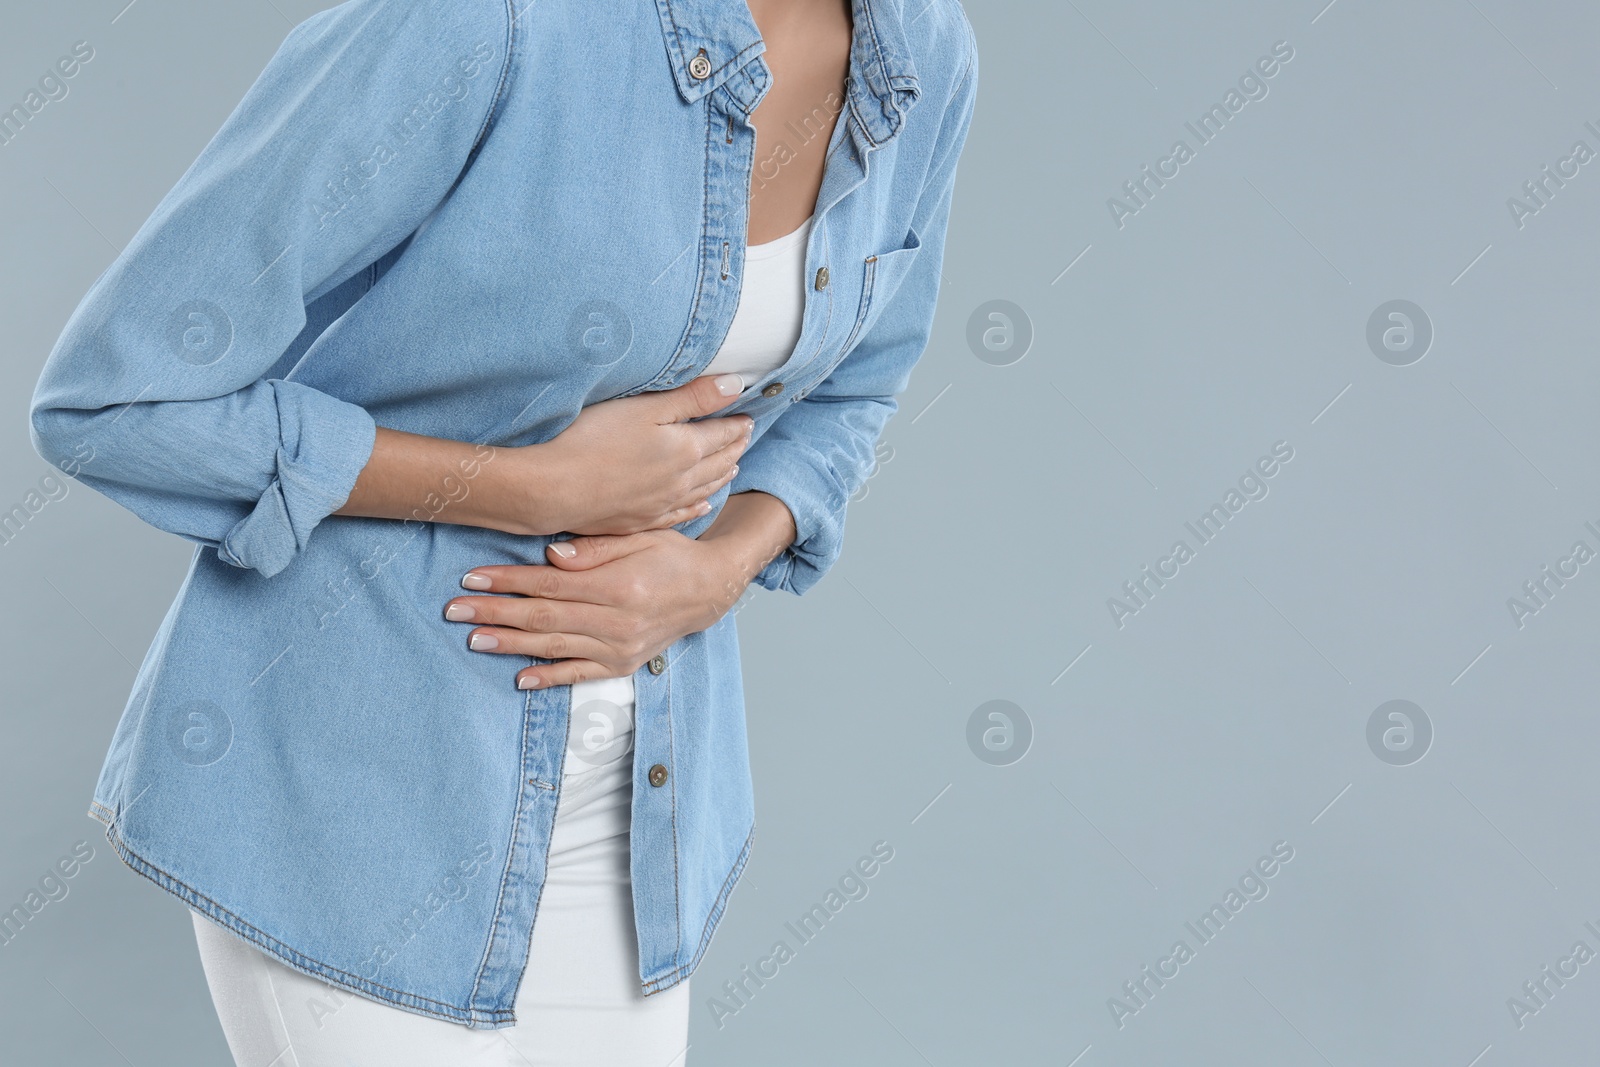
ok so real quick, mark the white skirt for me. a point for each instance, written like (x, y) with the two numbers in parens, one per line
(579, 1002)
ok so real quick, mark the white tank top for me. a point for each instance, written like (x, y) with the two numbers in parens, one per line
(761, 337)
(767, 323)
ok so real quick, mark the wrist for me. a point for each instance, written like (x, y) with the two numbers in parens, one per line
(516, 492)
(749, 532)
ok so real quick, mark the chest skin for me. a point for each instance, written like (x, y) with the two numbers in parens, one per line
(808, 53)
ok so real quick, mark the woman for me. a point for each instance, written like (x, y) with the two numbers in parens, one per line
(515, 292)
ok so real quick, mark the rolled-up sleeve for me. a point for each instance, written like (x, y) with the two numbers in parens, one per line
(819, 451)
(155, 393)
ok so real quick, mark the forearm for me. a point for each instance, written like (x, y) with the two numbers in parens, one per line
(437, 480)
(633, 463)
(749, 532)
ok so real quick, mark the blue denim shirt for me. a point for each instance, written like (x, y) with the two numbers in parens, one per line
(468, 219)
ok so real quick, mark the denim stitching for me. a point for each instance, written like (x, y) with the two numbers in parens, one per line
(827, 322)
(665, 372)
(289, 956)
(861, 315)
(677, 38)
(544, 881)
(877, 46)
(511, 852)
(712, 920)
(677, 887)
(500, 87)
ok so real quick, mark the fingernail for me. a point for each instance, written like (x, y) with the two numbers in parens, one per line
(705, 506)
(562, 549)
(483, 642)
(474, 580)
(528, 682)
(735, 472)
(729, 384)
(459, 613)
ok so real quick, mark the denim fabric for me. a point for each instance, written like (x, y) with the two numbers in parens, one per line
(468, 219)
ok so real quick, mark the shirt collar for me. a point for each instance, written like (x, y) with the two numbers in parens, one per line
(882, 83)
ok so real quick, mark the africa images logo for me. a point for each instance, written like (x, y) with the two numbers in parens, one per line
(1252, 85)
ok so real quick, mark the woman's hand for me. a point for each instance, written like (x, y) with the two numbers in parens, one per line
(616, 601)
(604, 611)
(636, 463)
(624, 465)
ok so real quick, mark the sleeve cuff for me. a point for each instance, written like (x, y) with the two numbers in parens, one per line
(325, 444)
(809, 486)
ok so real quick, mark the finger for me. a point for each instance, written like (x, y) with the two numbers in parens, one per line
(716, 464)
(709, 489)
(529, 614)
(681, 515)
(589, 552)
(700, 494)
(714, 435)
(510, 642)
(702, 396)
(566, 672)
(528, 579)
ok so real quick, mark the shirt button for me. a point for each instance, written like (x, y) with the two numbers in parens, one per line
(658, 775)
(700, 66)
(658, 664)
(822, 278)
(773, 390)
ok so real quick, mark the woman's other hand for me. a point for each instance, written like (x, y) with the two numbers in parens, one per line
(604, 611)
(607, 604)
(625, 465)
(636, 463)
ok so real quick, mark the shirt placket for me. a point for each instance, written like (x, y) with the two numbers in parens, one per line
(729, 158)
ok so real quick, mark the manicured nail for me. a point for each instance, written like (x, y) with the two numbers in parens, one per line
(704, 507)
(474, 580)
(562, 549)
(729, 384)
(483, 642)
(460, 613)
(530, 681)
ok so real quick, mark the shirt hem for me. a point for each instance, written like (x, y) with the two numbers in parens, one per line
(410, 1002)
(673, 977)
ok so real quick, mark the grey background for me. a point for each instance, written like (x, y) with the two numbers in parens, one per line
(1229, 714)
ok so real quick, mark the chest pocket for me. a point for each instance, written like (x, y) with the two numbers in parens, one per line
(881, 277)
